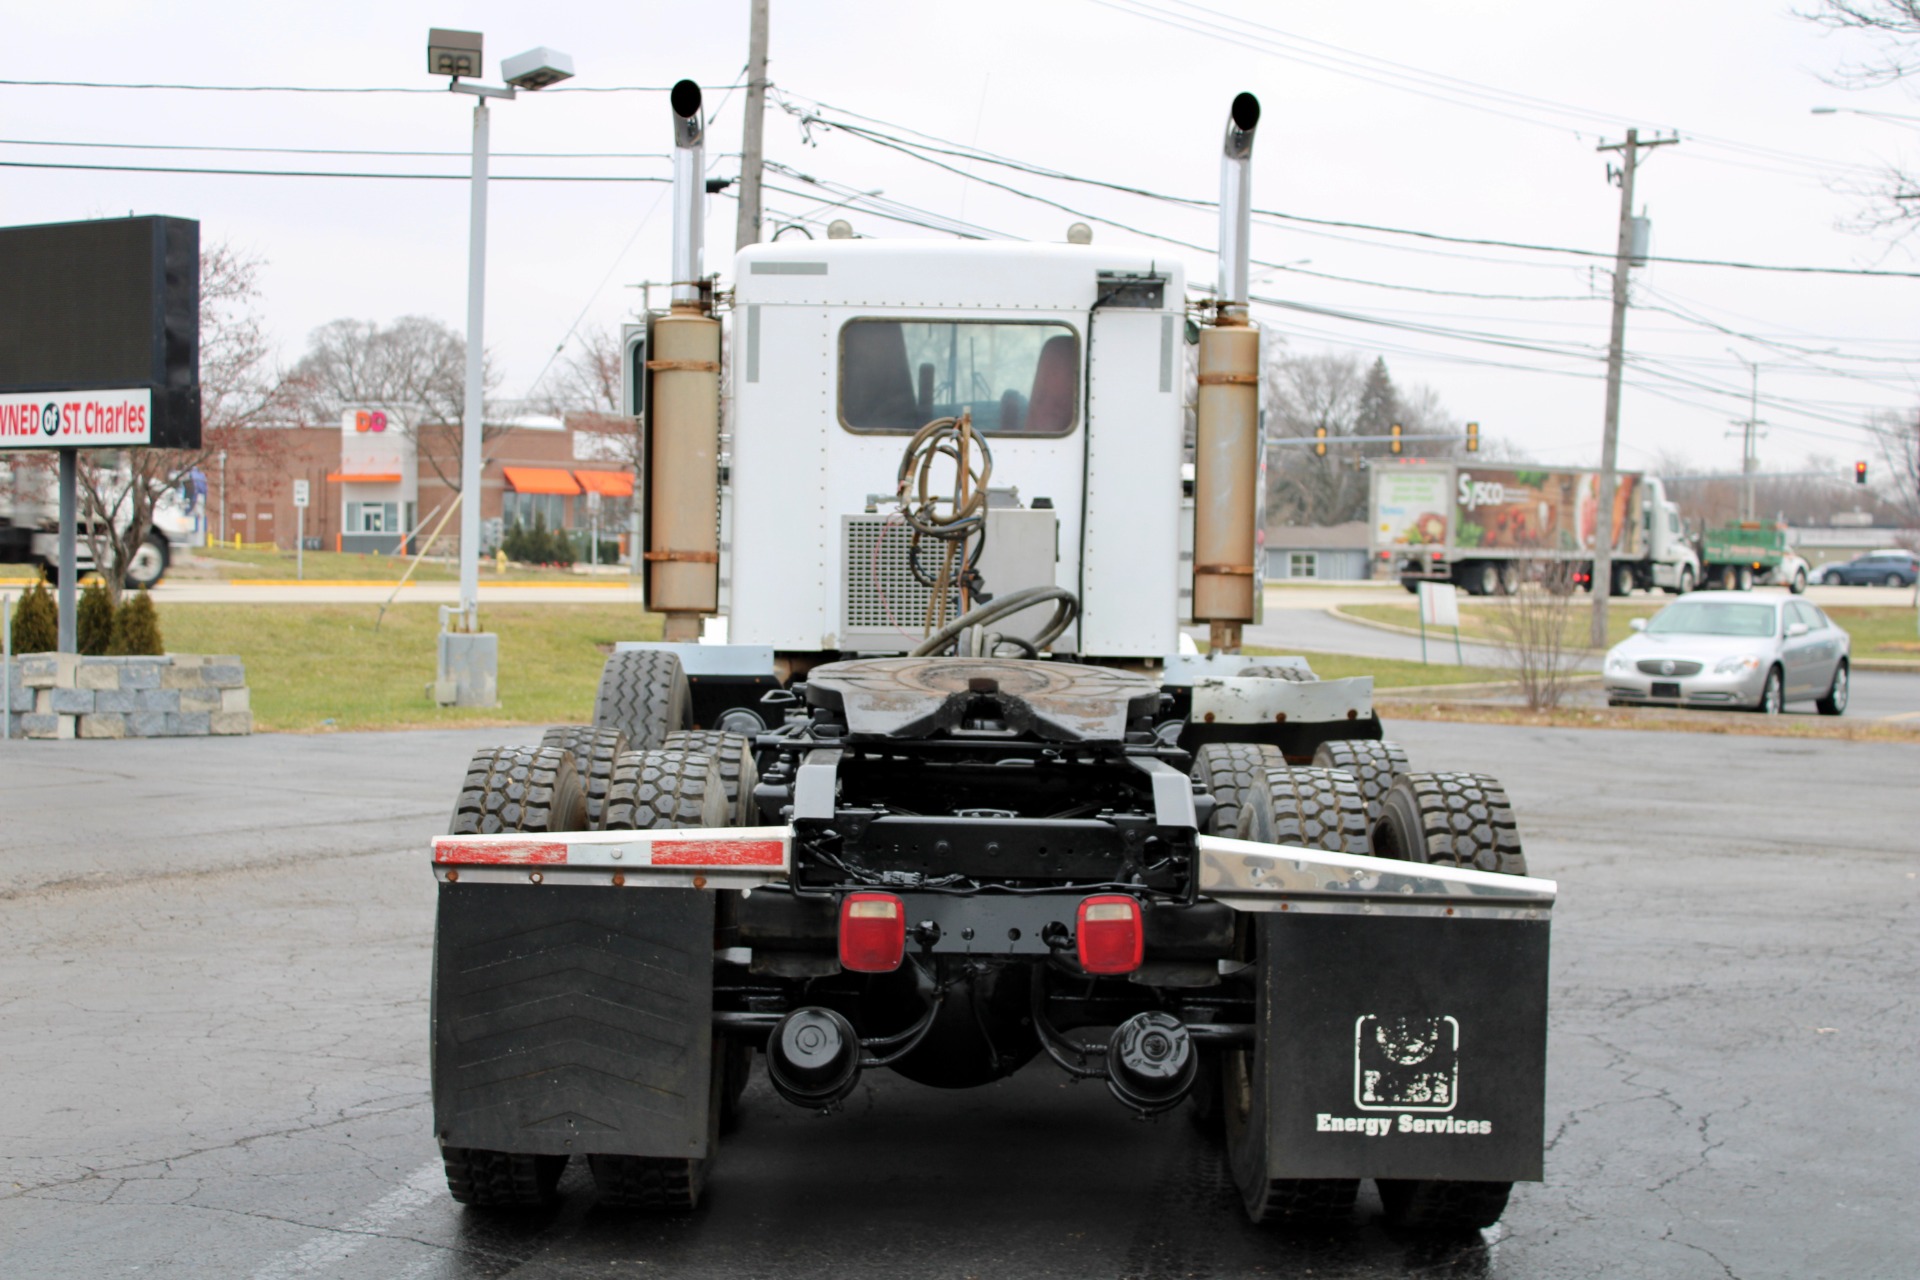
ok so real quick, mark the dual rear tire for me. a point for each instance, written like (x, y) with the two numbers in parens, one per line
(1460, 819)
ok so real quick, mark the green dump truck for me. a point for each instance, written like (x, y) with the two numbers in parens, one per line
(1740, 555)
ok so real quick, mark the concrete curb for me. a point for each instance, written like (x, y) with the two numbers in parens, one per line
(1464, 691)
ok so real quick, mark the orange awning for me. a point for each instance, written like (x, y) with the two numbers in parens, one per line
(608, 484)
(540, 480)
(364, 477)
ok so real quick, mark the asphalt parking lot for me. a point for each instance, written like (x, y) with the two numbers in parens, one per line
(213, 961)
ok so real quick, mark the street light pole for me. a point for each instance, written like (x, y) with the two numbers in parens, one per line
(471, 417)
(460, 54)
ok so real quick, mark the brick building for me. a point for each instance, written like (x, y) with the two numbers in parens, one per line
(377, 494)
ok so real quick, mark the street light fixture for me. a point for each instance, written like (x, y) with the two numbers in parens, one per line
(468, 678)
(1862, 111)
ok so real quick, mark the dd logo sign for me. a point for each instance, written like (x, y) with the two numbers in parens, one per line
(369, 420)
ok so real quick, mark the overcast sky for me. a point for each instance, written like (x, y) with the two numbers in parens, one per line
(1485, 129)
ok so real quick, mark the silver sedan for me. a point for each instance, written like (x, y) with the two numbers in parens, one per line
(1712, 649)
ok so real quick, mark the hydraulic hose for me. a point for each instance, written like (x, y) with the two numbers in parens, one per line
(1066, 609)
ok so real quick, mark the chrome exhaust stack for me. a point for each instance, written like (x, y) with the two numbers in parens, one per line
(689, 195)
(1236, 207)
(1226, 452)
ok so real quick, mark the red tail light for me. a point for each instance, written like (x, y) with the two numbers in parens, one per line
(1109, 932)
(873, 932)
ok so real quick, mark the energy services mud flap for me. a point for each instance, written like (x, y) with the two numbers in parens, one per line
(1401, 1027)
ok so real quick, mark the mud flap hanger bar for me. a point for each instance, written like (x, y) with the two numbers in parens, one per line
(1248, 876)
(702, 858)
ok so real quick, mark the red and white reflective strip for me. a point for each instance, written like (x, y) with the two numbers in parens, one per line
(761, 849)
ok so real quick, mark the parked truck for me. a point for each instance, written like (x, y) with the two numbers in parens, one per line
(1747, 553)
(1484, 528)
(925, 778)
(30, 526)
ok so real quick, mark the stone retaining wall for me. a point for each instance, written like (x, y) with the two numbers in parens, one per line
(61, 695)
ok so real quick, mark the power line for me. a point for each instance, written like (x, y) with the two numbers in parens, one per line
(309, 88)
(915, 150)
(338, 151)
(329, 173)
(1452, 90)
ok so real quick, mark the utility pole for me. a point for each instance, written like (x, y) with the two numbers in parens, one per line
(1750, 445)
(1603, 531)
(747, 229)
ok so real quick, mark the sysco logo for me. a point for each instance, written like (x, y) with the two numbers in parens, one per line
(369, 420)
(1480, 493)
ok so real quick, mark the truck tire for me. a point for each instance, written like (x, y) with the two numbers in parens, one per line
(1509, 579)
(664, 790)
(519, 789)
(1320, 809)
(1313, 808)
(1623, 580)
(1464, 820)
(1479, 578)
(512, 789)
(1229, 771)
(733, 756)
(643, 692)
(1374, 765)
(593, 751)
(1461, 819)
(1292, 675)
(652, 791)
(148, 565)
(501, 1179)
(1799, 586)
(1437, 1205)
(1685, 582)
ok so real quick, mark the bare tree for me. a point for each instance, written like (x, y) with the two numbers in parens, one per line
(588, 377)
(1531, 630)
(1898, 435)
(416, 366)
(1337, 393)
(242, 394)
(1893, 197)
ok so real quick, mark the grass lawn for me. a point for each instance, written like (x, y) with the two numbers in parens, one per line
(322, 667)
(317, 668)
(224, 564)
(335, 566)
(1878, 631)
(1476, 620)
(1387, 673)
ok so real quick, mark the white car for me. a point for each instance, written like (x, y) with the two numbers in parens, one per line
(1710, 649)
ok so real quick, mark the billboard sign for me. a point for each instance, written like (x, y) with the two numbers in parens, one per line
(76, 419)
(1411, 509)
(100, 314)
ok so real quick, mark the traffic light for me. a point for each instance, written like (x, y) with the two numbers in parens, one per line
(1859, 473)
(1473, 437)
(1394, 431)
(1320, 441)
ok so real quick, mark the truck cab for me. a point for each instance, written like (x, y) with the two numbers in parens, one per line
(1068, 361)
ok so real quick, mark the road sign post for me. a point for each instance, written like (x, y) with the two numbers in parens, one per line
(301, 493)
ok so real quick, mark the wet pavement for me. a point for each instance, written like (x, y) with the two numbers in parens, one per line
(213, 963)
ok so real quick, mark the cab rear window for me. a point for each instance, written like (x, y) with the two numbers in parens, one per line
(1018, 378)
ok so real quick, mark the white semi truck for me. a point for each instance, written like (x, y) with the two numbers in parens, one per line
(30, 525)
(1483, 528)
(921, 779)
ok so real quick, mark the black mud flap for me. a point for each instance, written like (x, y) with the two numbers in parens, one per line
(573, 1019)
(1404, 1046)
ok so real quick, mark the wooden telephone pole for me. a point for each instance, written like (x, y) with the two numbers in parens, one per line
(1603, 530)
